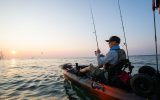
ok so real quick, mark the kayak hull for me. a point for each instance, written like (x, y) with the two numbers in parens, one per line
(106, 92)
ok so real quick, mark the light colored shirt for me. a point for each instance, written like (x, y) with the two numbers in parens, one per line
(111, 57)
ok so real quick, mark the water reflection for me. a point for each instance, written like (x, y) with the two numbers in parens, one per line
(13, 62)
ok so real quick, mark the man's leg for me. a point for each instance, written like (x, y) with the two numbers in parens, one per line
(86, 69)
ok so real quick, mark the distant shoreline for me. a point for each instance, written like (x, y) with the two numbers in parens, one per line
(69, 57)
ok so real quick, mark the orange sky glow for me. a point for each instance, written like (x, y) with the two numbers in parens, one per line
(63, 28)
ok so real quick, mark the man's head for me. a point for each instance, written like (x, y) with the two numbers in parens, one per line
(113, 40)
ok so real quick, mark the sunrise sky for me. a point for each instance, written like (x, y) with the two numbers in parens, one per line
(63, 28)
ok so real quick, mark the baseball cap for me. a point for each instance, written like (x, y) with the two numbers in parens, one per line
(114, 38)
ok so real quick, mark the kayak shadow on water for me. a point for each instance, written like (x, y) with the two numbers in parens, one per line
(76, 93)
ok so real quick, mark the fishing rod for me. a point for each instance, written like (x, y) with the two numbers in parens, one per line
(94, 26)
(129, 64)
(154, 19)
(123, 29)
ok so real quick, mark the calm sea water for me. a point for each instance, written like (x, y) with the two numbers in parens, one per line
(42, 79)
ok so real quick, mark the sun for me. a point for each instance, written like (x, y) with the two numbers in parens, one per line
(13, 52)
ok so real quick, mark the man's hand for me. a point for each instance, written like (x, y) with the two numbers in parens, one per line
(97, 52)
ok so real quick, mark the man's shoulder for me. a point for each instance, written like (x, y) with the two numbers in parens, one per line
(121, 51)
(117, 52)
(113, 52)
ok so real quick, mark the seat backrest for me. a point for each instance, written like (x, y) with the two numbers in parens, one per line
(121, 55)
(121, 60)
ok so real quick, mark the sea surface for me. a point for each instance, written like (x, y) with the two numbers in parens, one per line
(42, 79)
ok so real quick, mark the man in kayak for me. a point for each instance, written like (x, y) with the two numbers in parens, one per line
(108, 61)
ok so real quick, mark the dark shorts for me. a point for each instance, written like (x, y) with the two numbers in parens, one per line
(100, 75)
(94, 71)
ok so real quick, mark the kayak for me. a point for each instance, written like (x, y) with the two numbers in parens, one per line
(100, 90)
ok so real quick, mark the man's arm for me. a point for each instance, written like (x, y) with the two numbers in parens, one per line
(106, 59)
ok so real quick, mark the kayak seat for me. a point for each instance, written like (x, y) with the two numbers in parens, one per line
(118, 76)
(119, 67)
